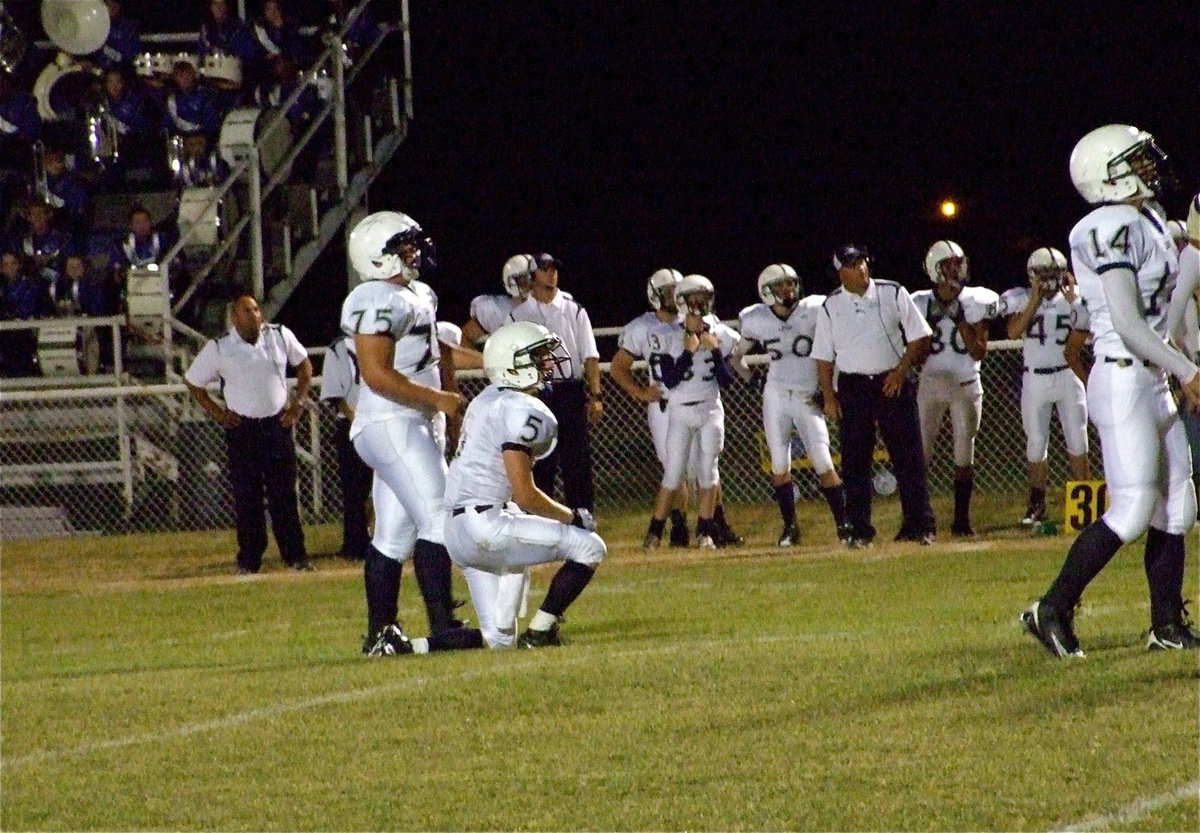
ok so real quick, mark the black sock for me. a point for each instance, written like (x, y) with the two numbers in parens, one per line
(431, 563)
(962, 500)
(1037, 497)
(786, 498)
(678, 518)
(1093, 548)
(656, 527)
(456, 639)
(835, 496)
(719, 516)
(381, 579)
(1164, 560)
(566, 586)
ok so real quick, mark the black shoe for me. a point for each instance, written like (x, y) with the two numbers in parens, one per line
(962, 530)
(922, 538)
(1053, 631)
(540, 639)
(724, 536)
(389, 641)
(790, 536)
(845, 532)
(680, 536)
(1177, 636)
(1035, 513)
(304, 566)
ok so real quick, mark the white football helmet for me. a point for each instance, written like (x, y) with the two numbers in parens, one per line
(945, 262)
(774, 278)
(696, 292)
(1048, 266)
(386, 244)
(523, 355)
(517, 272)
(1193, 221)
(656, 288)
(1118, 162)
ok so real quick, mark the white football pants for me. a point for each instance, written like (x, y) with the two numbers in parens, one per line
(701, 423)
(1062, 391)
(786, 409)
(938, 393)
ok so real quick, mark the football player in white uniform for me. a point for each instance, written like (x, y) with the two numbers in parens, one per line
(494, 541)
(1184, 323)
(392, 318)
(949, 380)
(645, 338)
(489, 312)
(1052, 323)
(695, 365)
(783, 326)
(1125, 266)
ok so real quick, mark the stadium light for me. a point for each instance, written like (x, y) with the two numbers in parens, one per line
(949, 209)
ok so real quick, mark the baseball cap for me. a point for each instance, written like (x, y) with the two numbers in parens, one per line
(543, 260)
(848, 254)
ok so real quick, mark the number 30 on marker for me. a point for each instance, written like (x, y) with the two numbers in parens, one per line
(1087, 500)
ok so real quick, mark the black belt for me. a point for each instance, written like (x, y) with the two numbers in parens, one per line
(1045, 371)
(865, 375)
(458, 510)
(1126, 362)
(259, 419)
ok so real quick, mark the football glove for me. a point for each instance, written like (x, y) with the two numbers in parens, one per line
(583, 519)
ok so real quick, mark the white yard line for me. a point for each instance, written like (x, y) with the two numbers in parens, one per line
(1135, 810)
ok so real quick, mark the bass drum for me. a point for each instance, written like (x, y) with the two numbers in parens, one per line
(221, 66)
(244, 127)
(61, 90)
(199, 207)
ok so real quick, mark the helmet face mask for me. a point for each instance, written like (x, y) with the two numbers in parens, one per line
(522, 355)
(696, 294)
(946, 265)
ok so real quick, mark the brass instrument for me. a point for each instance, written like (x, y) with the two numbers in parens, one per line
(104, 143)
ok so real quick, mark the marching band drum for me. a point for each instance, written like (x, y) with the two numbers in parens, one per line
(246, 125)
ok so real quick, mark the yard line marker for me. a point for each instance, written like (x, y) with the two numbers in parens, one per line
(1136, 810)
(268, 712)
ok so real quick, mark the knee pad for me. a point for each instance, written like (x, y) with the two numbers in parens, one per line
(585, 547)
(1130, 509)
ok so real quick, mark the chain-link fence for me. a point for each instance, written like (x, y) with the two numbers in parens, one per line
(145, 458)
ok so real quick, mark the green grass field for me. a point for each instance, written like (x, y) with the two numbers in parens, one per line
(146, 687)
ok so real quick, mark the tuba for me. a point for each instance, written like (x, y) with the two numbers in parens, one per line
(12, 42)
(78, 27)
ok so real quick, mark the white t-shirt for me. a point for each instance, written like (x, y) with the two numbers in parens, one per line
(408, 314)
(253, 376)
(564, 317)
(787, 341)
(498, 419)
(868, 333)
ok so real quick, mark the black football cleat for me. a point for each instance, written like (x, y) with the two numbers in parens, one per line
(389, 641)
(540, 639)
(1054, 632)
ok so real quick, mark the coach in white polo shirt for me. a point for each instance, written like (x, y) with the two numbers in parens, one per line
(575, 401)
(873, 333)
(251, 362)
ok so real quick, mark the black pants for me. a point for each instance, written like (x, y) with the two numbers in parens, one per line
(355, 477)
(863, 408)
(568, 402)
(262, 459)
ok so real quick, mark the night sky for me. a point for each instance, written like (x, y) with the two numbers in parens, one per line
(718, 138)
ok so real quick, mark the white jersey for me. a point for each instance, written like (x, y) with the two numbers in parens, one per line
(409, 315)
(497, 420)
(948, 354)
(1123, 237)
(788, 341)
(646, 337)
(1044, 342)
(491, 311)
(699, 383)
